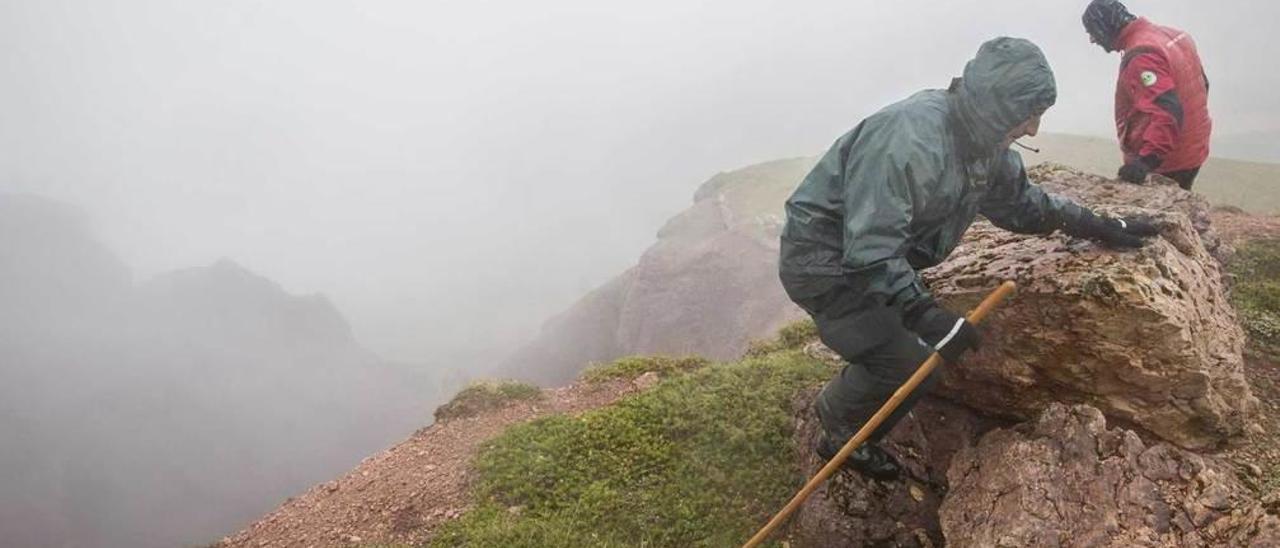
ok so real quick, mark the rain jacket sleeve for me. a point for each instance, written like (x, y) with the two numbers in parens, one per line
(1156, 121)
(1015, 204)
(887, 180)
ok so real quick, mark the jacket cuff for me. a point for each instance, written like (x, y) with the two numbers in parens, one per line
(1152, 161)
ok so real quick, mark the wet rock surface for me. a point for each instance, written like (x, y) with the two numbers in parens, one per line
(1065, 479)
(1146, 339)
(1158, 194)
(1146, 336)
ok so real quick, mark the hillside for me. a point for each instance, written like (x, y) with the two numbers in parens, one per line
(695, 455)
(706, 287)
(702, 453)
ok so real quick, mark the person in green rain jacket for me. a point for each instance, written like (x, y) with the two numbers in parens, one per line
(895, 195)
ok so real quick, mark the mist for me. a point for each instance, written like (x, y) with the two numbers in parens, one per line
(449, 175)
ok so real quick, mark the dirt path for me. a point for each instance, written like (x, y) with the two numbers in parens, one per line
(403, 494)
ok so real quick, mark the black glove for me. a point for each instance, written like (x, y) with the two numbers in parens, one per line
(1124, 232)
(1136, 171)
(947, 332)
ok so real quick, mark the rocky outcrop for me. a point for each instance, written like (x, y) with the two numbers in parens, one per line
(225, 305)
(1067, 480)
(708, 286)
(850, 510)
(1147, 336)
(586, 333)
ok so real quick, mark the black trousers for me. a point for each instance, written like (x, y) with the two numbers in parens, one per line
(872, 372)
(866, 382)
(1184, 178)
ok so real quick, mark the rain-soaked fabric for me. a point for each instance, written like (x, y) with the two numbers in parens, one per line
(1162, 97)
(849, 399)
(896, 194)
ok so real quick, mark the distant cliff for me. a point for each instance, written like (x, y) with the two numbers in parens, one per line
(707, 287)
(169, 412)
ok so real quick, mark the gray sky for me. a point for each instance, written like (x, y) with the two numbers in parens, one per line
(451, 173)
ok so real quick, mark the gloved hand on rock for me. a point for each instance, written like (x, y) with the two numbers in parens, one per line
(1119, 232)
(1136, 171)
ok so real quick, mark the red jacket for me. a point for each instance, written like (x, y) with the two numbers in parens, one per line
(1162, 97)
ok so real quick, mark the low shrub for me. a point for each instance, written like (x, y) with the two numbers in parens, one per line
(482, 396)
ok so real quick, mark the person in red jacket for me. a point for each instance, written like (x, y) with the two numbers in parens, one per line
(1162, 95)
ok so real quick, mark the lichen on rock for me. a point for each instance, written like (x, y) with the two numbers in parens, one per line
(1146, 336)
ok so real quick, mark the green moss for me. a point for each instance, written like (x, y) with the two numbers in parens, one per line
(703, 459)
(633, 366)
(760, 189)
(485, 395)
(1256, 292)
(792, 337)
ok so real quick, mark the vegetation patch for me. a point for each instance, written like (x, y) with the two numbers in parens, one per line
(482, 396)
(1256, 292)
(633, 366)
(703, 459)
(792, 337)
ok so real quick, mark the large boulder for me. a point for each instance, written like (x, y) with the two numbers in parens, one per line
(1146, 336)
(1067, 480)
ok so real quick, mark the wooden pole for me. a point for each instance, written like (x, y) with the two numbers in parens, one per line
(903, 391)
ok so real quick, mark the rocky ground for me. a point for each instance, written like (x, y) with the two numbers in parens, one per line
(850, 510)
(1067, 479)
(1257, 456)
(404, 493)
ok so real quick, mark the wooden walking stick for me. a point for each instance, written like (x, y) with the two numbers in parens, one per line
(974, 317)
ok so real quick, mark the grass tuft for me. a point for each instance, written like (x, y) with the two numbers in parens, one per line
(1256, 292)
(482, 396)
(791, 337)
(633, 366)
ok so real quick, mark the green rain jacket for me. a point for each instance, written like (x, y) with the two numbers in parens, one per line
(898, 192)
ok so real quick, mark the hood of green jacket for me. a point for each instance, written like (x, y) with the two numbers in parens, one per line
(1007, 83)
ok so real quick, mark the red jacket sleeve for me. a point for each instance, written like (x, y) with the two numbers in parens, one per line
(1156, 118)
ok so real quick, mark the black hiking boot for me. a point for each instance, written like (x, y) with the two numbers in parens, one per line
(868, 459)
